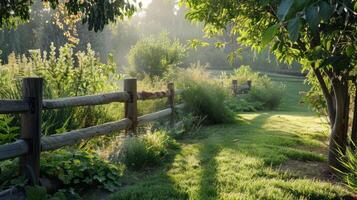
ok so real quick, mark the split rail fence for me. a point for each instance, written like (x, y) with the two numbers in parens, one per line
(30, 144)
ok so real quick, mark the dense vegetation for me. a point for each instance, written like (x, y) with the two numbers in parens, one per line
(254, 144)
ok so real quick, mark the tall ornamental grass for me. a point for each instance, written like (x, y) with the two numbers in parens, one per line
(65, 74)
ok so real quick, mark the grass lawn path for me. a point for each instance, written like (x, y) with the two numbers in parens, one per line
(265, 155)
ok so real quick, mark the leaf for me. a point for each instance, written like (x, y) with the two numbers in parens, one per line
(338, 62)
(284, 8)
(312, 18)
(355, 6)
(350, 51)
(269, 34)
(294, 28)
(326, 10)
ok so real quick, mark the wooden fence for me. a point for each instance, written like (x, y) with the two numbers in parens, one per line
(30, 144)
(240, 89)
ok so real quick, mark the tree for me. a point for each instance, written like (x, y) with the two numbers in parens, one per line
(96, 13)
(319, 34)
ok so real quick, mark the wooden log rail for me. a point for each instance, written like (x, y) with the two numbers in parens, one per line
(153, 95)
(30, 144)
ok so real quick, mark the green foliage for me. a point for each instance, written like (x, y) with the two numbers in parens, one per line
(243, 104)
(97, 14)
(36, 193)
(268, 94)
(65, 74)
(203, 96)
(146, 150)
(80, 169)
(155, 55)
(40, 193)
(349, 162)
(8, 132)
(264, 93)
(314, 97)
(9, 174)
(189, 124)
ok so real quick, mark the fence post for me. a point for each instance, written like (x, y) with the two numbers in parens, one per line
(234, 87)
(171, 102)
(130, 107)
(31, 128)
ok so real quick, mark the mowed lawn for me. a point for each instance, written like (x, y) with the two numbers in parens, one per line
(264, 155)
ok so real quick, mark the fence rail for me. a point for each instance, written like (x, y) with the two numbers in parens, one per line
(86, 100)
(30, 144)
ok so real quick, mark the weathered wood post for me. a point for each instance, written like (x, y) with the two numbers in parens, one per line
(130, 107)
(234, 87)
(31, 128)
(249, 83)
(171, 102)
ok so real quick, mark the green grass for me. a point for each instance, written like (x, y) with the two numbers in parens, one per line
(241, 160)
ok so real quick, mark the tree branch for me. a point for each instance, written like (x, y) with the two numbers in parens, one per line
(328, 97)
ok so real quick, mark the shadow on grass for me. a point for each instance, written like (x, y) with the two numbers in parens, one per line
(208, 185)
(247, 137)
(151, 184)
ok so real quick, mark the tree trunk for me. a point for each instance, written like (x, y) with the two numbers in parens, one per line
(354, 123)
(339, 136)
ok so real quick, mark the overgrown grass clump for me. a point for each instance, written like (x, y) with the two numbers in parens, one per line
(203, 96)
(65, 74)
(349, 162)
(145, 150)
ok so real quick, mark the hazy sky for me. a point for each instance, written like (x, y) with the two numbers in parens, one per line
(146, 2)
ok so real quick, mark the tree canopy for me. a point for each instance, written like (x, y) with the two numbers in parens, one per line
(96, 13)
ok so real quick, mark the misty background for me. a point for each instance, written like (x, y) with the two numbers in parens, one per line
(159, 17)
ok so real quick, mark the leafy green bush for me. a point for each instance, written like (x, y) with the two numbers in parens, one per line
(79, 169)
(74, 169)
(268, 94)
(264, 93)
(154, 55)
(9, 174)
(204, 96)
(146, 150)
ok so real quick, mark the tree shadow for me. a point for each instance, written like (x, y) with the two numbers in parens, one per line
(149, 183)
(273, 147)
(273, 152)
(208, 184)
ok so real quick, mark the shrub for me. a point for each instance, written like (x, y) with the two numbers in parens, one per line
(146, 150)
(268, 94)
(80, 169)
(203, 96)
(264, 94)
(74, 169)
(154, 55)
